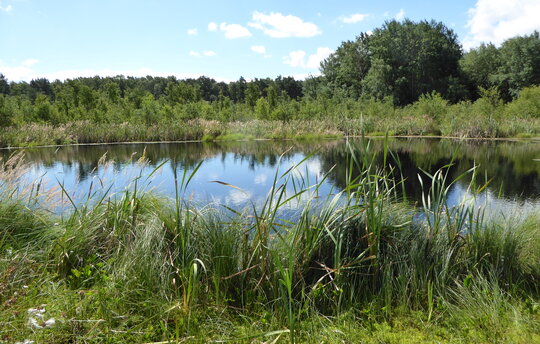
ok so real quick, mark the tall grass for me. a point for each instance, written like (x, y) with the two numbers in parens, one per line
(137, 267)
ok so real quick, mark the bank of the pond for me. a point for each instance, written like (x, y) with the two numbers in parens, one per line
(79, 132)
(143, 268)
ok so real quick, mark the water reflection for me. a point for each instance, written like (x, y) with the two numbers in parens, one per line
(509, 166)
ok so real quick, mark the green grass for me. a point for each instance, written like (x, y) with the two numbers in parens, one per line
(141, 268)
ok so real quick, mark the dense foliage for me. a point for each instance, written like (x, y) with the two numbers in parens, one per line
(404, 60)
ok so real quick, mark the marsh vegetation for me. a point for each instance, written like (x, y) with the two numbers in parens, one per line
(362, 264)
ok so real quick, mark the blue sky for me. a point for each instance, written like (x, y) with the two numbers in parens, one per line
(221, 39)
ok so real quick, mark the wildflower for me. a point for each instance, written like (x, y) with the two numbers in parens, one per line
(36, 321)
(37, 312)
(33, 323)
(50, 323)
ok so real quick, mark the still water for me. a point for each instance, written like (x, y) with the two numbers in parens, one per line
(511, 167)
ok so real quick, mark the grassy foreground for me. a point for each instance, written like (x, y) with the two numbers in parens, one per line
(361, 267)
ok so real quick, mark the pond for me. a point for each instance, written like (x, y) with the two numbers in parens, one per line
(512, 168)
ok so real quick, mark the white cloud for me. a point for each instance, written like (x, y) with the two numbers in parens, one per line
(400, 15)
(192, 32)
(194, 53)
(298, 58)
(17, 73)
(29, 62)
(212, 26)
(295, 58)
(209, 53)
(259, 49)
(25, 71)
(314, 60)
(6, 9)
(278, 25)
(234, 30)
(497, 20)
(354, 18)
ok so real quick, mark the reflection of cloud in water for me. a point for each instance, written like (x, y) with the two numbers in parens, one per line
(309, 170)
(238, 197)
(260, 179)
(489, 202)
(314, 167)
(252, 166)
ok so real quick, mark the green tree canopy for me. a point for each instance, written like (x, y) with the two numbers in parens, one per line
(348, 65)
(479, 65)
(413, 59)
(520, 64)
(402, 60)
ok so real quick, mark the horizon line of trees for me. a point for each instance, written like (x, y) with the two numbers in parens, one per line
(398, 63)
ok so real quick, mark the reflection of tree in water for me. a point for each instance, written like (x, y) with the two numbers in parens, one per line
(509, 165)
(85, 159)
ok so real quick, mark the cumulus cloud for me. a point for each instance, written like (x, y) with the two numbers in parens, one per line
(234, 30)
(209, 53)
(497, 20)
(354, 18)
(400, 15)
(278, 25)
(212, 26)
(295, 58)
(192, 32)
(259, 49)
(314, 60)
(298, 58)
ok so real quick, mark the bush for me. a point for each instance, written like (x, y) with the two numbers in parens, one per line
(432, 105)
(527, 105)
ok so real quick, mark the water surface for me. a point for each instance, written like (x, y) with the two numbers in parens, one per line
(511, 168)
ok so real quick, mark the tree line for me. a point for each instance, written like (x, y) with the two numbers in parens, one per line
(404, 60)
(398, 63)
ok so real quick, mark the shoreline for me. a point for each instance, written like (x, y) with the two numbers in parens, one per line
(322, 137)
